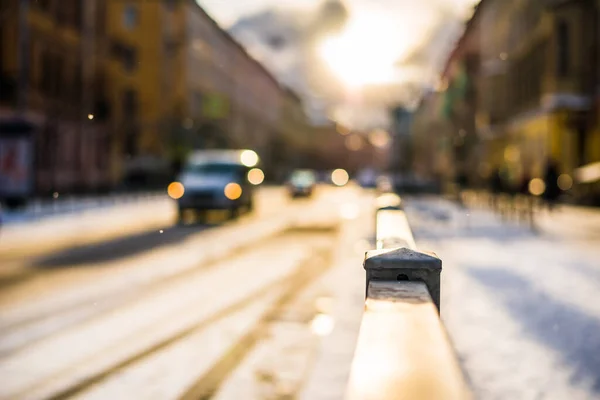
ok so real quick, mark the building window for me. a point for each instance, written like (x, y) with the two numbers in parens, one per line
(563, 49)
(77, 10)
(129, 58)
(130, 104)
(43, 4)
(52, 74)
(77, 86)
(102, 150)
(126, 55)
(198, 102)
(171, 4)
(130, 16)
(130, 111)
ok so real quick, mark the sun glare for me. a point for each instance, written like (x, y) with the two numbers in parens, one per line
(364, 53)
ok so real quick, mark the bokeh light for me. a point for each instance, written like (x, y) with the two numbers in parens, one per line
(339, 177)
(322, 325)
(537, 187)
(354, 142)
(233, 191)
(379, 138)
(342, 130)
(512, 154)
(565, 182)
(249, 158)
(175, 190)
(256, 176)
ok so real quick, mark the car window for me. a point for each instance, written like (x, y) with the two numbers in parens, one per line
(303, 177)
(214, 169)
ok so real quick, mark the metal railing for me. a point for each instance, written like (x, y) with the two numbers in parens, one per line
(63, 205)
(403, 351)
(517, 208)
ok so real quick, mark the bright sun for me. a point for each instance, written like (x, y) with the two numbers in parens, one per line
(364, 53)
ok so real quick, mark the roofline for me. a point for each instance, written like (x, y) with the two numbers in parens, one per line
(461, 40)
(291, 92)
(237, 44)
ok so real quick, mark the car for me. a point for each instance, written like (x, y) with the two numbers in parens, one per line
(301, 183)
(367, 178)
(216, 180)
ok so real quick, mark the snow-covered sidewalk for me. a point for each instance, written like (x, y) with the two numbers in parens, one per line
(521, 307)
(58, 206)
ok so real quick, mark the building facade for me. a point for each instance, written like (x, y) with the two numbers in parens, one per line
(217, 94)
(121, 90)
(48, 67)
(521, 88)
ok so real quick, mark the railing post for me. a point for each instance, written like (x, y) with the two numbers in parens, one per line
(403, 264)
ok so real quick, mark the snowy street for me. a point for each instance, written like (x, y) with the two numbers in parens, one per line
(521, 308)
(132, 316)
(269, 306)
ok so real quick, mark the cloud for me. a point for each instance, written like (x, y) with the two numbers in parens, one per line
(436, 42)
(286, 39)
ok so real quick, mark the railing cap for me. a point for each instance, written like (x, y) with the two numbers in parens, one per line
(401, 259)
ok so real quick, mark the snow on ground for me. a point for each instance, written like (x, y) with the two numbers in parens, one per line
(521, 307)
(59, 206)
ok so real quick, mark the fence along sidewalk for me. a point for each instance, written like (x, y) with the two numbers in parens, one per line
(403, 351)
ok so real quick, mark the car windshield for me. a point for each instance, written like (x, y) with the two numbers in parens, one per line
(214, 169)
(303, 178)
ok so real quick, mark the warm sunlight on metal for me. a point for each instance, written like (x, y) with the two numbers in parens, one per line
(565, 182)
(233, 191)
(256, 176)
(388, 200)
(175, 190)
(537, 187)
(322, 325)
(362, 54)
(339, 177)
(249, 158)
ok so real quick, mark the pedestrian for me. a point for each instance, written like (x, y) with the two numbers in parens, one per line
(462, 185)
(551, 191)
(496, 186)
(524, 185)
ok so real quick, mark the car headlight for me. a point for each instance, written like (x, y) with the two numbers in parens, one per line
(175, 190)
(233, 191)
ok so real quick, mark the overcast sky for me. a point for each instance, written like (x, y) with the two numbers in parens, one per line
(348, 55)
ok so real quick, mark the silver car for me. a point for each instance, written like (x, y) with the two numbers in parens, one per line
(217, 180)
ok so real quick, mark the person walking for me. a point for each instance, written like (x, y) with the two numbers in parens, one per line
(497, 187)
(552, 191)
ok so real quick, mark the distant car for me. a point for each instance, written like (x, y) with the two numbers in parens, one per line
(215, 180)
(302, 183)
(367, 178)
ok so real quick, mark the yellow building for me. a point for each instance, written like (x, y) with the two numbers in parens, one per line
(136, 44)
